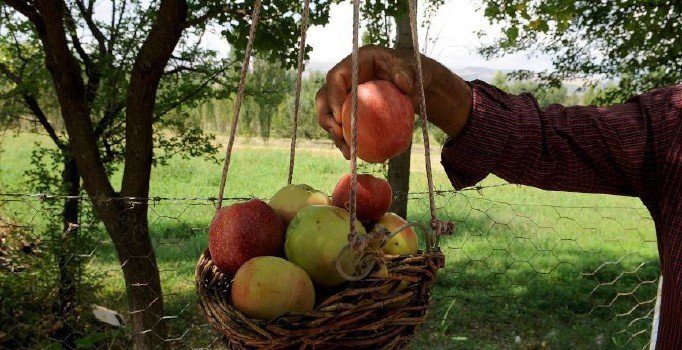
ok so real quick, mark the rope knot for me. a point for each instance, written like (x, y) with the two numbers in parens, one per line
(366, 252)
(442, 228)
(373, 239)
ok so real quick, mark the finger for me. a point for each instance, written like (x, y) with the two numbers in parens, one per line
(403, 78)
(339, 140)
(339, 78)
(338, 87)
(335, 130)
(322, 106)
(324, 115)
(396, 67)
(343, 147)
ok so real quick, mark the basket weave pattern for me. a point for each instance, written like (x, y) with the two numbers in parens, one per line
(380, 311)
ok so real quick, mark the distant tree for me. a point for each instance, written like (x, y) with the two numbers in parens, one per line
(637, 44)
(268, 87)
(545, 95)
(307, 122)
(117, 69)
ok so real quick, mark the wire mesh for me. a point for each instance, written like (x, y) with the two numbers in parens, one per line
(520, 273)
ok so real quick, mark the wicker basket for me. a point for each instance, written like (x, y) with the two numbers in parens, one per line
(380, 311)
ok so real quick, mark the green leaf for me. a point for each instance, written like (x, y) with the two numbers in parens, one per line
(90, 340)
(492, 11)
(512, 34)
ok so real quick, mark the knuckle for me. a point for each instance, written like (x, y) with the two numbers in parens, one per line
(320, 94)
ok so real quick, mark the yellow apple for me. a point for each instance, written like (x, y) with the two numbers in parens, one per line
(291, 198)
(267, 287)
(405, 242)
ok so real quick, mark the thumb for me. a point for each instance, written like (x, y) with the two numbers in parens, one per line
(403, 78)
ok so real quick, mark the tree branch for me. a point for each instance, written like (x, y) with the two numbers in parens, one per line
(180, 69)
(193, 93)
(24, 8)
(144, 82)
(215, 12)
(68, 81)
(9, 74)
(20, 53)
(116, 29)
(96, 32)
(34, 107)
(109, 115)
(32, 104)
(71, 26)
(92, 70)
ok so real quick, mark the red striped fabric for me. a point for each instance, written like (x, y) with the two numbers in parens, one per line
(632, 149)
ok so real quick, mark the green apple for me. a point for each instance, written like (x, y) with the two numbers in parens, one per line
(315, 239)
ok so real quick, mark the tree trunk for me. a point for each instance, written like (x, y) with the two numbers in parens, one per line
(141, 273)
(399, 167)
(126, 221)
(67, 259)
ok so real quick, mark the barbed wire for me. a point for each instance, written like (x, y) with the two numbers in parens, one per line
(411, 195)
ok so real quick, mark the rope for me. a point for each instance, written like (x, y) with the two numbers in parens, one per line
(439, 227)
(238, 101)
(357, 243)
(297, 99)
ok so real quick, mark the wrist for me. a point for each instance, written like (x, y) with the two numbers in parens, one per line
(448, 100)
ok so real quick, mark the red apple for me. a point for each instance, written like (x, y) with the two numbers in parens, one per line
(385, 120)
(243, 231)
(373, 199)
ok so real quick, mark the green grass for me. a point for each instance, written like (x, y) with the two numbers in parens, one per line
(553, 269)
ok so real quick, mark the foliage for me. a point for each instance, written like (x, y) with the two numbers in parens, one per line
(194, 74)
(636, 43)
(548, 94)
(269, 85)
(544, 95)
(268, 106)
(30, 312)
(379, 19)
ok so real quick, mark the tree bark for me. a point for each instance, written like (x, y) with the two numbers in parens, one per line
(144, 82)
(67, 261)
(399, 167)
(130, 233)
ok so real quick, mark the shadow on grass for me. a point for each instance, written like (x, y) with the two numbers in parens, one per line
(511, 289)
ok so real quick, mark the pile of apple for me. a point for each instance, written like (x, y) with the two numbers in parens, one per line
(277, 253)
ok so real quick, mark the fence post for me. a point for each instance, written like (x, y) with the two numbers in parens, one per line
(657, 311)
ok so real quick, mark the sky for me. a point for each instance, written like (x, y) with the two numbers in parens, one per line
(454, 26)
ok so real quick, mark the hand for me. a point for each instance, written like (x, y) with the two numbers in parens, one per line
(448, 97)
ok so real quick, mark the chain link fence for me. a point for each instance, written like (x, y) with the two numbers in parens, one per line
(521, 273)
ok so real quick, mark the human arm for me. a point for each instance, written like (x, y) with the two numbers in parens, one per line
(588, 149)
(616, 149)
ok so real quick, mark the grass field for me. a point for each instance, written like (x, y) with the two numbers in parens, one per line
(527, 269)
